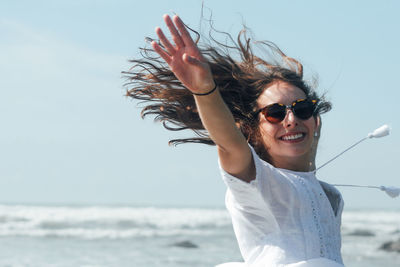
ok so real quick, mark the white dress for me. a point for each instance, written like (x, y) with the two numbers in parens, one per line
(284, 218)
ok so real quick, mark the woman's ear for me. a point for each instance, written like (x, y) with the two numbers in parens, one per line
(314, 147)
(318, 124)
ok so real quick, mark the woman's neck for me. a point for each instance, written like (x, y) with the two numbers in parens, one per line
(299, 164)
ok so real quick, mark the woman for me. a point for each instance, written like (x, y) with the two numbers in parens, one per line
(264, 120)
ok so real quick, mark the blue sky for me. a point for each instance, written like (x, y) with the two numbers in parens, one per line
(68, 134)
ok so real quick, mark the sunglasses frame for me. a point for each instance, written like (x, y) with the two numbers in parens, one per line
(291, 107)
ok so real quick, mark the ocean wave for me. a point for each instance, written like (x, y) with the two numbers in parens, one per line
(109, 222)
(121, 222)
(378, 222)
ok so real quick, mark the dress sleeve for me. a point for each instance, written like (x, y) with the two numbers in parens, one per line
(244, 193)
(269, 187)
(247, 205)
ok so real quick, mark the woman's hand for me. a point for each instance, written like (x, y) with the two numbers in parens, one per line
(184, 58)
(191, 68)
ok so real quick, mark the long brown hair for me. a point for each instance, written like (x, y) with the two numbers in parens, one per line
(240, 74)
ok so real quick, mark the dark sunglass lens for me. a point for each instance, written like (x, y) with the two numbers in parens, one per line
(275, 113)
(303, 110)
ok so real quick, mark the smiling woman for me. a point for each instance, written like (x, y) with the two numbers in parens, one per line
(288, 136)
(264, 120)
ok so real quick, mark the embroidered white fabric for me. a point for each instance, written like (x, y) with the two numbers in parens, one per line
(283, 217)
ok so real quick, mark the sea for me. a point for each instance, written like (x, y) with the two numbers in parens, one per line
(146, 236)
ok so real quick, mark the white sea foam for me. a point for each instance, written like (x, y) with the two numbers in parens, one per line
(108, 222)
(117, 222)
(130, 234)
(379, 222)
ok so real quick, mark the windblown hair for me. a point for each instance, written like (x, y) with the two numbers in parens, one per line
(240, 74)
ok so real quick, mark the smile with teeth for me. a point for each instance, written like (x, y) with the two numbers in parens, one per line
(292, 137)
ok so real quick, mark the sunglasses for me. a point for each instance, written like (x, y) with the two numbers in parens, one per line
(301, 108)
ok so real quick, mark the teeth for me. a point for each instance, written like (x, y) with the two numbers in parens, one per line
(292, 137)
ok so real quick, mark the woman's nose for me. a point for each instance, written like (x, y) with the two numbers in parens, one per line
(290, 119)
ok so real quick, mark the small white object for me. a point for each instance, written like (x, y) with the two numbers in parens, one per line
(391, 191)
(380, 132)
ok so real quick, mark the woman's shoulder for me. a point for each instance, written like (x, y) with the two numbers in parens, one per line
(330, 188)
(334, 196)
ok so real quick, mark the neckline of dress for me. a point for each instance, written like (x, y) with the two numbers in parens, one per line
(299, 173)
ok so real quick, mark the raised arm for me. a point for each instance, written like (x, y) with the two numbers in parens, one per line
(192, 69)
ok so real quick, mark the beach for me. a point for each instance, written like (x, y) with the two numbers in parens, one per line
(123, 235)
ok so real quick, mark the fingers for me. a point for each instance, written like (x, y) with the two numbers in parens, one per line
(161, 52)
(174, 32)
(164, 41)
(181, 38)
(187, 39)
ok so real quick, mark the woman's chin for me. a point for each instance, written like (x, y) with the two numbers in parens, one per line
(295, 157)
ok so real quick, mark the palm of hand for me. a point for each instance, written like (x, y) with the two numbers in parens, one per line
(190, 75)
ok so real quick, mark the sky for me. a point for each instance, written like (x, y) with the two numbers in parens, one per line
(70, 136)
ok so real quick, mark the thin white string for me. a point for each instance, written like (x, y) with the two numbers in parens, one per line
(353, 185)
(340, 154)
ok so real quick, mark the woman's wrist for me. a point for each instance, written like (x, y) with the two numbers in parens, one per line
(207, 93)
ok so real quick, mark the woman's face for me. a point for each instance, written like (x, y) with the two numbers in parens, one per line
(289, 142)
